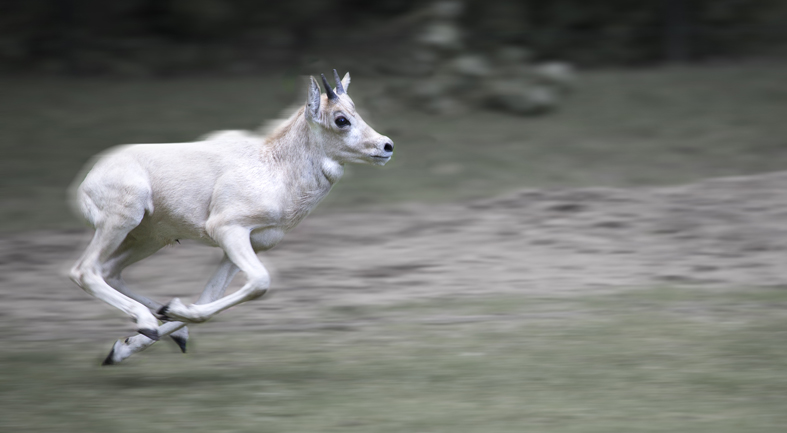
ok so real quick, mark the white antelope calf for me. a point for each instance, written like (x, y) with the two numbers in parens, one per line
(234, 190)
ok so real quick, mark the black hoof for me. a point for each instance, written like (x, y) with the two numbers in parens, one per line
(162, 314)
(108, 360)
(181, 342)
(150, 333)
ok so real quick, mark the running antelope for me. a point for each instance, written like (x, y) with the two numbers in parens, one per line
(234, 190)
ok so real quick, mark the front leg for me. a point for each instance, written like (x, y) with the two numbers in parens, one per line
(236, 242)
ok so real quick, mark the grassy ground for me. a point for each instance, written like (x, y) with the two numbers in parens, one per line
(659, 360)
(620, 128)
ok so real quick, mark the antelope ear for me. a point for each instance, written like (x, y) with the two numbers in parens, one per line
(313, 99)
(346, 81)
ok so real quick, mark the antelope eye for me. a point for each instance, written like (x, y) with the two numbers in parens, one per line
(341, 122)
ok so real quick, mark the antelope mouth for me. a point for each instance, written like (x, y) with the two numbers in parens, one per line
(380, 159)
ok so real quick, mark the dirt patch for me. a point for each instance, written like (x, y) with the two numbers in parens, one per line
(728, 232)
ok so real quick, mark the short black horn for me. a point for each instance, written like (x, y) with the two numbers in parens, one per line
(328, 89)
(339, 87)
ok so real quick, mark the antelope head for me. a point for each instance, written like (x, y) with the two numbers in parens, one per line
(341, 130)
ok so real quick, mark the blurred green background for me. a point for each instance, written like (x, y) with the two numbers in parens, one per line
(669, 90)
(660, 125)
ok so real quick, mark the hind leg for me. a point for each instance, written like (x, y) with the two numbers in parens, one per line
(117, 283)
(90, 271)
(215, 289)
(180, 336)
(132, 250)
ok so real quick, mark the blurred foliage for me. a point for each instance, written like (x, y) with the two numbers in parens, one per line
(144, 37)
(626, 32)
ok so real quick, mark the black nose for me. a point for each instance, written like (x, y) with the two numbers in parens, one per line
(388, 147)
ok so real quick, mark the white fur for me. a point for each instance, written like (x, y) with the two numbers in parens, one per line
(234, 189)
